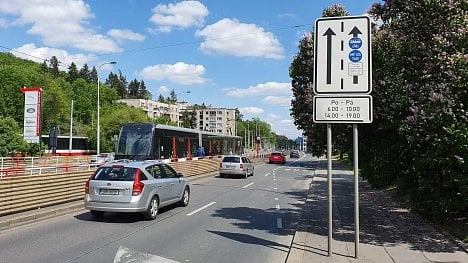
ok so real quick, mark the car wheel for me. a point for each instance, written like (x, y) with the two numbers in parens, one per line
(97, 213)
(246, 175)
(152, 210)
(185, 197)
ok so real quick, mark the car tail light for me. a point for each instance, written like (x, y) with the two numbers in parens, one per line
(137, 184)
(241, 166)
(87, 183)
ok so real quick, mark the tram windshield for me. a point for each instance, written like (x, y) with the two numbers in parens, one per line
(135, 141)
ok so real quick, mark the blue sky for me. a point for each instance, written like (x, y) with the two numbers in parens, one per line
(229, 54)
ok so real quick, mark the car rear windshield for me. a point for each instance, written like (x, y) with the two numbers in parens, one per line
(276, 154)
(115, 174)
(231, 159)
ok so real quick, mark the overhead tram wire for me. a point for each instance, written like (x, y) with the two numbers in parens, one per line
(29, 55)
(168, 45)
(201, 41)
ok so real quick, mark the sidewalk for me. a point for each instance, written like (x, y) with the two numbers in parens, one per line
(388, 233)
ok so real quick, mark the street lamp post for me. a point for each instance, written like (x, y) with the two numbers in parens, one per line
(98, 150)
(178, 118)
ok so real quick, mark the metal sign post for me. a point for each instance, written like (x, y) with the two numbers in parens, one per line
(330, 195)
(356, 190)
(343, 82)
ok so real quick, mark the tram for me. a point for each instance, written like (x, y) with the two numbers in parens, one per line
(149, 141)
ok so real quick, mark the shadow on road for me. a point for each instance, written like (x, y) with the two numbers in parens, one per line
(248, 239)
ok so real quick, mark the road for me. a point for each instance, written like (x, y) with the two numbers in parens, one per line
(227, 220)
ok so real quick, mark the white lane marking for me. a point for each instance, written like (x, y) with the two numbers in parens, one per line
(276, 198)
(287, 169)
(275, 188)
(274, 179)
(248, 185)
(201, 208)
(125, 254)
(267, 174)
(279, 222)
(278, 207)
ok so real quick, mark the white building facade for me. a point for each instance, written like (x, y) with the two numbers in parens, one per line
(156, 109)
(217, 120)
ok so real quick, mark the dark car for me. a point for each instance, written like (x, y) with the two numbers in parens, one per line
(277, 157)
(294, 154)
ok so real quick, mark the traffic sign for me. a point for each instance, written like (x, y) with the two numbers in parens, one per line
(343, 109)
(342, 55)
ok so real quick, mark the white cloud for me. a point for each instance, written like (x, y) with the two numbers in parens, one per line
(180, 73)
(181, 15)
(230, 37)
(39, 54)
(163, 90)
(272, 116)
(125, 34)
(276, 88)
(288, 121)
(59, 23)
(283, 101)
(251, 111)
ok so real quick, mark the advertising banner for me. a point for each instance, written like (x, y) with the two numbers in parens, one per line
(32, 113)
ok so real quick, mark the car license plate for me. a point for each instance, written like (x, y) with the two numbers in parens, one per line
(103, 191)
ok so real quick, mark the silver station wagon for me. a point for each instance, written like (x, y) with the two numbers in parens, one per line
(236, 165)
(135, 186)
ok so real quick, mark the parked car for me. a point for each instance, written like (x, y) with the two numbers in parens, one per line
(277, 157)
(294, 154)
(236, 165)
(101, 159)
(135, 186)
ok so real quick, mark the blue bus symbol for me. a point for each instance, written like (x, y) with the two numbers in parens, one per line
(355, 55)
(355, 43)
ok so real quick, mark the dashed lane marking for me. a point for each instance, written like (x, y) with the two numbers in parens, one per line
(248, 185)
(201, 208)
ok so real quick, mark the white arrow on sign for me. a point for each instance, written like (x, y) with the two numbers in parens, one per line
(342, 55)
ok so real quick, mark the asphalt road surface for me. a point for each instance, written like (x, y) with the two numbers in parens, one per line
(227, 220)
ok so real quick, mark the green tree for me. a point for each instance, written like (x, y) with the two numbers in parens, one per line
(161, 98)
(301, 72)
(54, 70)
(133, 87)
(430, 40)
(11, 139)
(73, 72)
(93, 75)
(112, 119)
(84, 73)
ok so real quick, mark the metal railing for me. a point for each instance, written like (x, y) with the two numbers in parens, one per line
(15, 166)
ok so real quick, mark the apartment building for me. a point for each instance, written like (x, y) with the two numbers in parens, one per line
(218, 120)
(156, 109)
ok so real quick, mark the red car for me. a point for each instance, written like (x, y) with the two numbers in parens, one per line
(277, 157)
